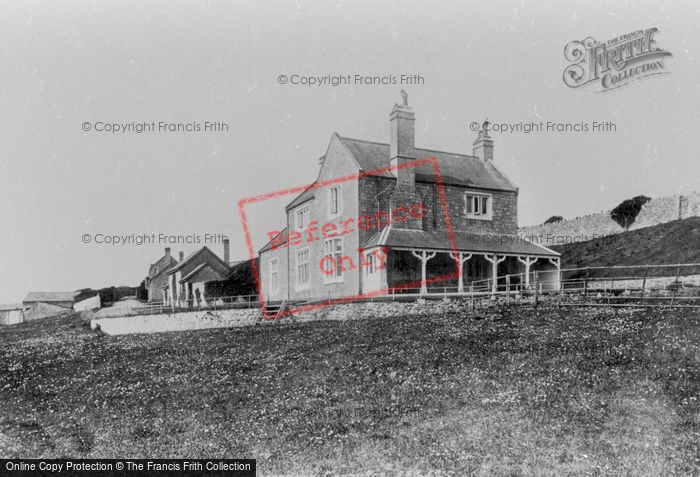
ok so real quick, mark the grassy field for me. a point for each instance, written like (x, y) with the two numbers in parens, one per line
(499, 392)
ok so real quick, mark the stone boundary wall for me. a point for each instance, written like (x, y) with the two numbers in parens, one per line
(593, 226)
(199, 320)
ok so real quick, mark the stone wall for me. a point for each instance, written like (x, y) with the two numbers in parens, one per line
(589, 227)
(197, 320)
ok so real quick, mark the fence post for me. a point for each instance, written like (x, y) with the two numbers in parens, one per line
(675, 283)
(536, 296)
(644, 280)
(612, 283)
(585, 283)
(508, 289)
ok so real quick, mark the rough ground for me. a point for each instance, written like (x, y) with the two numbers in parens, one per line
(499, 392)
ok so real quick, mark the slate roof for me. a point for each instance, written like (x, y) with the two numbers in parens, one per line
(464, 241)
(456, 169)
(198, 269)
(282, 239)
(216, 260)
(18, 306)
(48, 297)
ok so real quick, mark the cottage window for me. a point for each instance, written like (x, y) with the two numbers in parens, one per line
(303, 268)
(478, 206)
(334, 201)
(303, 218)
(333, 260)
(274, 275)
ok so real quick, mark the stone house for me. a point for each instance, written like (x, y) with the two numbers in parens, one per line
(431, 219)
(157, 276)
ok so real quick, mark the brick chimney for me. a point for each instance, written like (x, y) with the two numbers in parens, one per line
(182, 255)
(483, 146)
(167, 252)
(402, 150)
(226, 251)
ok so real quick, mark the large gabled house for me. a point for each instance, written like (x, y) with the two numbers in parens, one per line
(424, 249)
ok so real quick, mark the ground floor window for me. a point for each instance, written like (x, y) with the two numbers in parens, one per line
(274, 275)
(371, 263)
(333, 260)
(303, 267)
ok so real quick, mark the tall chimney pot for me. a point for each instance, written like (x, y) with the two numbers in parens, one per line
(226, 251)
(483, 146)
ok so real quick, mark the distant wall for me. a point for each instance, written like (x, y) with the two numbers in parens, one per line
(589, 227)
(44, 310)
(92, 303)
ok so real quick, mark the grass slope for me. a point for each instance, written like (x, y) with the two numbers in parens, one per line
(500, 392)
(672, 242)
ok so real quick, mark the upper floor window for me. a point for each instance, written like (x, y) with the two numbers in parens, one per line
(478, 206)
(302, 217)
(335, 204)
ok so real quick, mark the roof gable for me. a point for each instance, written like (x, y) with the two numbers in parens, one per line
(205, 254)
(164, 263)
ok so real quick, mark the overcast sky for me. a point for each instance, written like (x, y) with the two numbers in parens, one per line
(65, 63)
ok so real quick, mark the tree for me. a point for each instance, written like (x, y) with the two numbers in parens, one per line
(241, 281)
(553, 219)
(626, 212)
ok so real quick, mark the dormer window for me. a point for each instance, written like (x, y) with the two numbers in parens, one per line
(478, 205)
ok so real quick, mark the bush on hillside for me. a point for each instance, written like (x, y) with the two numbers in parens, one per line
(626, 212)
(553, 219)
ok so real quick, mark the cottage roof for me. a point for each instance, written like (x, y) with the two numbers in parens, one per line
(17, 306)
(206, 270)
(48, 297)
(213, 259)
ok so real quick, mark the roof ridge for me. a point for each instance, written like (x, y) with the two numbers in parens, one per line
(416, 148)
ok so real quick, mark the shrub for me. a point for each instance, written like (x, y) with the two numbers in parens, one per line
(553, 219)
(626, 212)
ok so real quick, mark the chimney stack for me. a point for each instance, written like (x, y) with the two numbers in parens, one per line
(182, 255)
(403, 140)
(402, 151)
(167, 251)
(483, 146)
(226, 251)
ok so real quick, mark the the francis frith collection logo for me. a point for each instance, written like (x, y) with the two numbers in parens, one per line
(615, 63)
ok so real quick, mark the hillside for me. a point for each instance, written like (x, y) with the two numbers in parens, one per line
(672, 242)
(543, 392)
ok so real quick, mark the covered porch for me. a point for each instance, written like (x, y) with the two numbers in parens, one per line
(467, 263)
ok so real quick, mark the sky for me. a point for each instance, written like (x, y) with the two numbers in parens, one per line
(66, 63)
